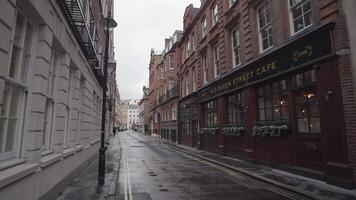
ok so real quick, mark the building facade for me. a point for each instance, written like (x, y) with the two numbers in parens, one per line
(153, 93)
(133, 114)
(50, 93)
(271, 81)
(143, 121)
(122, 109)
(165, 87)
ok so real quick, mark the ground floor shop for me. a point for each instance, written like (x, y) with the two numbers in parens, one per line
(284, 109)
(188, 121)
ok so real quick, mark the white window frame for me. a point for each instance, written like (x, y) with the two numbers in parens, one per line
(291, 19)
(205, 68)
(216, 57)
(204, 27)
(194, 78)
(19, 83)
(265, 6)
(214, 15)
(235, 34)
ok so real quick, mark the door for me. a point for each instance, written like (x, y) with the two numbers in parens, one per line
(308, 131)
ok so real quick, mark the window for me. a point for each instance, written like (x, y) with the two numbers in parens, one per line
(204, 27)
(162, 72)
(174, 111)
(182, 86)
(214, 15)
(187, 83)
(49, 109)
(307, 106)
(216, 61)
(235, 47)
(272, 101)
(171, 61)
(194, 79)
(12, 88)
(211, 116)
(301, 14)
(193, 43)
(265, 27)
(231, 3)
(236, 109)
(187, 49)
(170, 84)
(206, 68)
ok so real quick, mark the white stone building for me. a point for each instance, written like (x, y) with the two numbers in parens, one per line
(132, 114)
(50, 96)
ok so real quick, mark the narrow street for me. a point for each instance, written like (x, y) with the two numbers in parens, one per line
(149, 169)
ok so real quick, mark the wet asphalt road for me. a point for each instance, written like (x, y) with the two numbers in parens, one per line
(150, 170)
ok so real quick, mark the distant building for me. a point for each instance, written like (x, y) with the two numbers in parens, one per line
(143, 122)
(132, 114)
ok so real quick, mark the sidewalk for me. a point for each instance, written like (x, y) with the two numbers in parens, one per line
(302, 185)
(84, 187)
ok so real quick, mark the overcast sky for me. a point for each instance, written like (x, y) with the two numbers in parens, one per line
(143, 25)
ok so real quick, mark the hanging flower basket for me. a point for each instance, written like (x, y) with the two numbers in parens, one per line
(271, 129)
(210, 131)
(234, 130)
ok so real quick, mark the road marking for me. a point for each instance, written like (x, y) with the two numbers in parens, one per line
(128, 176)
(233, 173)
(211, 164)
(127, 181)
(125, 177)
(276, 190)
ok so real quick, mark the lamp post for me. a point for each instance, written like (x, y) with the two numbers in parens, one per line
(107, 23)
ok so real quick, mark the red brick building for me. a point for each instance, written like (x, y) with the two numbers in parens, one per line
(270, 81)
(165, 84)
(153, 95)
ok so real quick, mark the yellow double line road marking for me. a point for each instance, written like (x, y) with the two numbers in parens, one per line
(127, 182)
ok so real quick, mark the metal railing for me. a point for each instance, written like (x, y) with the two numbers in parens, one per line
(81, 22)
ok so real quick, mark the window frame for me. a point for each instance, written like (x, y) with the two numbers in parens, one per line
(214, 15)
(216, 58)
(211, 113)
(267, 26)
(234, 49)
(204, 27)
(22, 85)
(205, 69)
(291, 19)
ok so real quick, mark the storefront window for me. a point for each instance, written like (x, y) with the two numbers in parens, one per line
(236, 109)
(304, 78)
(211, 114)
(307, 106)
(272, 101)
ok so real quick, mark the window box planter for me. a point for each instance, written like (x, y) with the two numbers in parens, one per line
(273, 129)
(234, 130)
(210, 131)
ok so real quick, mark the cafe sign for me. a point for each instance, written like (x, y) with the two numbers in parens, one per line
(284, 59)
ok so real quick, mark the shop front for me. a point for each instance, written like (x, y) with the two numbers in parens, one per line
(284, 109)
(188, 123)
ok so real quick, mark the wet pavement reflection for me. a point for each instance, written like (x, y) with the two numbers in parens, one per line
(150, 170)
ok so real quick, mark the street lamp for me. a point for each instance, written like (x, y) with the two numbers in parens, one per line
(107, 23)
